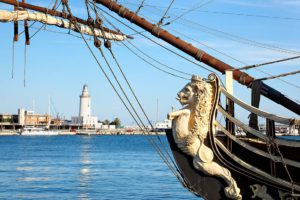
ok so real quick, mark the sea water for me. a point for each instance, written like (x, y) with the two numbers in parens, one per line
(85, 167)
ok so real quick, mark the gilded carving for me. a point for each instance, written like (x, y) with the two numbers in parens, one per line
(260, 191)
(190, 128)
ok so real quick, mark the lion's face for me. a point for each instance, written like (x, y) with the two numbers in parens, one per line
(186, 95)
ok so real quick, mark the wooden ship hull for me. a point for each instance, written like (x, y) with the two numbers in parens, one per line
(209, 187)
(263, 165)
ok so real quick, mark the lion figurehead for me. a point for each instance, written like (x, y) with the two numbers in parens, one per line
(192, 91)
(197, 96)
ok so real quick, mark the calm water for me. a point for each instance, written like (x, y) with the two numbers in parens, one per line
(84, 167)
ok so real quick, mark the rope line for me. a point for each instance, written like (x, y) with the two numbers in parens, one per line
(231, 36)
(278, 76)
(13, 60)
(120, 68)
(284, 81)
(182, 72)
(266, 63)
(190, 10)
(218, 12)
(176, 172)
(166, 161)
(152, 40)
(153, 64)
(164, 15)
(140, 7)
(25, 66)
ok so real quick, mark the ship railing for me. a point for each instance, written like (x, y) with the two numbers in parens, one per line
(255, 132)
(267, 137)
(252, 135)
(275, 118)
(231, 121)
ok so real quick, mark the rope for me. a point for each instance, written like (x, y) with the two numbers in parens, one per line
(214, 49)
(140, 7)
(157, 60)
(164, 15)
(16, 25)
(179, 177)
(190, 10)
(286, 82)
(43, 25)
(13, 60)
(285, 167)
(166, 161)
(25, 65)
(177, 54)
(250, 15)
(278, 76)
(235, 37)
(266, 63)
(120, 68)
(154, 65)
(55, 4)
(233, 167)
(141, 107)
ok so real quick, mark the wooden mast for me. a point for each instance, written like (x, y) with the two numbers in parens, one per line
(54, 13)
(198, 54)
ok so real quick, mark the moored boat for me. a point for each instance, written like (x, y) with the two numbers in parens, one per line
(38, 131)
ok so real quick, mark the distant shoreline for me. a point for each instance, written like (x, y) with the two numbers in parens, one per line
(87, 132)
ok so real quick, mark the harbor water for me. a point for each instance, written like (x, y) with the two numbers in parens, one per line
(85, 167)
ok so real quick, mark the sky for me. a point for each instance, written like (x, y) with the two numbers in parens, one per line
(59, 64)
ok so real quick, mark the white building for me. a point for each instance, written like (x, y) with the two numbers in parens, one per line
(21, 116)
(85, 119)
(163, 125)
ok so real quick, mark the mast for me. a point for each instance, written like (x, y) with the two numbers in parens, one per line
(200, 55)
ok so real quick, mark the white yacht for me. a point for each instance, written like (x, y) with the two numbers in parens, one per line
(33, 131)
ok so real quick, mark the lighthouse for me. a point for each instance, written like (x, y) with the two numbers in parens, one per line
(85, 103)
(85, 119)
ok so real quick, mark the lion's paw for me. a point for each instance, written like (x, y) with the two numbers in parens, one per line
(233, 192)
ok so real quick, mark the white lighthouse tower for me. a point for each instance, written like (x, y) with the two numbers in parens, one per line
(85, 103)
(85, 119)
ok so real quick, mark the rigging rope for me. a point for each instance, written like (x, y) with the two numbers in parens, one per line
(164, 15)
(190, 75)
(119, 66)
(75, 23)
(266, 63)
(140, 7)
(153, 64)
(16, 29)
(25, 65)
(152, 40)
(233, 37)
(175, 171)
(278, 76)
(288, 83)
(184, 182)
(219, 12)
(155, 60)
(13, 60)
(190, 10)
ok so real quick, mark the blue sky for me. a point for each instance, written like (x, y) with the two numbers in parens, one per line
(58, 65)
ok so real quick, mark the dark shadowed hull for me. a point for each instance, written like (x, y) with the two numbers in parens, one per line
(211, 188)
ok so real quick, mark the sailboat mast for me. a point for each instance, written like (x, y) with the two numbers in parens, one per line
(200, 55)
